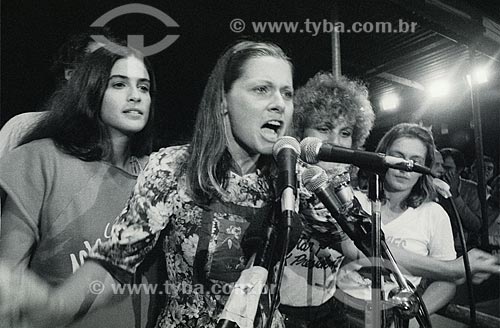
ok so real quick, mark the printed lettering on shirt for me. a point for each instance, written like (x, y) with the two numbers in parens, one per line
(400, 242)
(306, 262)
(77, 260)
(301, 256)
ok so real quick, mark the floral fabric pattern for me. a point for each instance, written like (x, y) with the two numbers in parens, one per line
(160, 202)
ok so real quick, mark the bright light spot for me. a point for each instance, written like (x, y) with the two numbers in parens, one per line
(439, 88)
(389, 102)
(480, 75)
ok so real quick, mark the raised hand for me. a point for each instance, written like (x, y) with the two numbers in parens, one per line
(452, 179)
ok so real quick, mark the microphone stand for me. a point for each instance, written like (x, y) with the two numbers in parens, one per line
(374, 188)
(285, 226)
(262, 258)
(278, 229)
(405, 300)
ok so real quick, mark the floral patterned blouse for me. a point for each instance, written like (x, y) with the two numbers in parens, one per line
(201, 244)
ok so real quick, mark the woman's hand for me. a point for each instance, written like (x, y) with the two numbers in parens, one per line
(41, 305)
(453, 180)
(482, 265)
(21, 291)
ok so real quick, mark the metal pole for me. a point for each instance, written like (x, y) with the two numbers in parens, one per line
(336, 64)
(478, 140)
(377, 293)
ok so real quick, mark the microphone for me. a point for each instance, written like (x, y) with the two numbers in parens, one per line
(314, 150)
(241, 307)
(338, 192)
(338, 197)
(261, 239)
(285, 152)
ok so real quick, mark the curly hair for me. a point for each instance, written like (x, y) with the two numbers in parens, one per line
(327, 98)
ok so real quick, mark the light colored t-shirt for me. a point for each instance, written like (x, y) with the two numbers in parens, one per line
(13, 132)
(58, 207)
(425, 230)
(309, 277)
(16, 128)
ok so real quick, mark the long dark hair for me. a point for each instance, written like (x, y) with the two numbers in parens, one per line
(74, 121)
(423, 190)
(209, 159)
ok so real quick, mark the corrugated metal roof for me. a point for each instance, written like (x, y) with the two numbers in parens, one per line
(420, 57)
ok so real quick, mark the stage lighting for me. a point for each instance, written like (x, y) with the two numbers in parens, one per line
(389, 102)
(480, 75)
(439, 89)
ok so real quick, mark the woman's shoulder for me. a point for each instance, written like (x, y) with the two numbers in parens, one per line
(173, 152)
(169, 158)
(432, 210)
(45, 147)
(25, 120)
(430, 206)
(37, 158)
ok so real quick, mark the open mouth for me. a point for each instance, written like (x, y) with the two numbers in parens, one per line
(272, 127)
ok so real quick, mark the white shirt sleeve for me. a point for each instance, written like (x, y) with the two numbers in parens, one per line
(441, 245)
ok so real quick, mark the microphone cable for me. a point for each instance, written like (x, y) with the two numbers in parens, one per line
(443, 190)
(286, 240)
(465, 256)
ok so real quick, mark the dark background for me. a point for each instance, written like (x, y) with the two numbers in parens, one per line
(32, 31)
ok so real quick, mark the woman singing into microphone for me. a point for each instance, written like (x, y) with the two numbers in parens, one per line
(196, 200)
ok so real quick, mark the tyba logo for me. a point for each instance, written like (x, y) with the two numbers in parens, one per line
(136, 41)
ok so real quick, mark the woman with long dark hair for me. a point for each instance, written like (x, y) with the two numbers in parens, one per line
(72, 174)
(414, 225)
(197, 200)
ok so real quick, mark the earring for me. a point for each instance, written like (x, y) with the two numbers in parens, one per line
(224, 107)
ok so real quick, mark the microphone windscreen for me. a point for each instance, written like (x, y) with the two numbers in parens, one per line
(309, 149)
(314, 177)
(285, 142)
